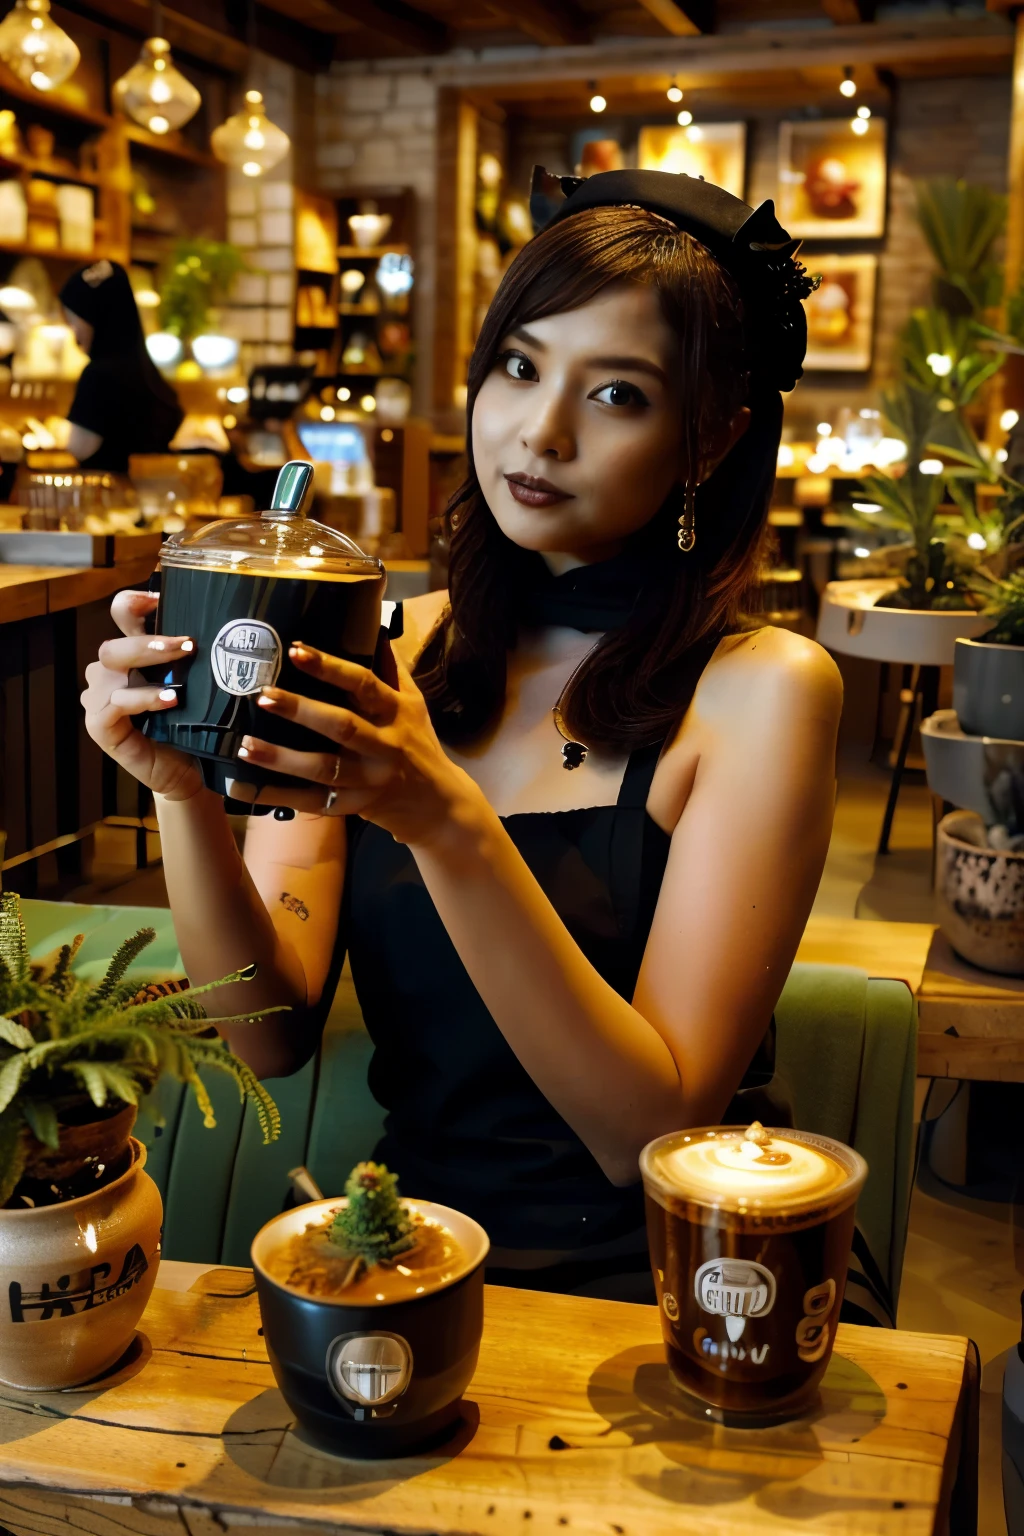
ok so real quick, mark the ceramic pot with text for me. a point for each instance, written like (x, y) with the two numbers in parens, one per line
(75, 1278)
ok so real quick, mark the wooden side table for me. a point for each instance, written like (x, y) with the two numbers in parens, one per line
(970, 1022)
(573, 1426)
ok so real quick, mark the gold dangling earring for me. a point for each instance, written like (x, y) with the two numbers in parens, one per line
(687, 537)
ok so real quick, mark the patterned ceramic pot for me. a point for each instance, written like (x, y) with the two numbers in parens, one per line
(980, 894)
(75, 1279)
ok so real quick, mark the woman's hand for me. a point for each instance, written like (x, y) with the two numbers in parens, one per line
(111, 698)
(382, 759)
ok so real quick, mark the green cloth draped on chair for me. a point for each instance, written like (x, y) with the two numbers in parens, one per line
(845, 1044)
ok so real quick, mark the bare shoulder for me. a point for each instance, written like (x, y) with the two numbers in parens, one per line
(422, 617)
(772, 672)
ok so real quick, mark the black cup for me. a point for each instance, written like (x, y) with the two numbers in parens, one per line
(373, 1380)
(243, 625)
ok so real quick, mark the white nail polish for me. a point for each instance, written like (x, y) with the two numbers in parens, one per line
(156, 645)
(188, 645)
(243, 752)
(168, 694)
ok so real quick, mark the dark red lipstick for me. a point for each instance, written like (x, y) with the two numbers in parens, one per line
(531, 491)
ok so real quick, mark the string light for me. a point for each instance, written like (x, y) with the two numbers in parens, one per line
(597, 101)
(155, 93)
(864, 112)
(673, 93)
(859, 126)
(848, 85)
(35, 48)
(684, 119)
(1008, 420)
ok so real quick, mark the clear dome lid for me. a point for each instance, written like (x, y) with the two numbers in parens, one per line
(280, 541)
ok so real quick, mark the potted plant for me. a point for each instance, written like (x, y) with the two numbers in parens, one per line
(194, 283)
(79, 1217)
(916, 614)
(988, 676)
(372, 1311)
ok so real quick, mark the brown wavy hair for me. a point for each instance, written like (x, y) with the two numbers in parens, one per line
(626, 694)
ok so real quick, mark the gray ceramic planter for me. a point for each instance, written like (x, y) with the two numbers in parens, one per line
(974, 773)
(988, 689)
(980, 893)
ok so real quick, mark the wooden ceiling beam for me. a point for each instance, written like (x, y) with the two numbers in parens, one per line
(553, 23)
(407, 29)
(682, 18)
(207, 31)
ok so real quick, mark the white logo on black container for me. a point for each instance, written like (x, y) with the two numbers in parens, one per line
(246, 656)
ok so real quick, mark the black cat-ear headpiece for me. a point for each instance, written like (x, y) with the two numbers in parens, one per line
(749, 242)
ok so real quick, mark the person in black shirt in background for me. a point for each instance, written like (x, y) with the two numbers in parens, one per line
(121, 405)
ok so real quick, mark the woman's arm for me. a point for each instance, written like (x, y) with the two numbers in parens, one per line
(282, 913)
(746, 858)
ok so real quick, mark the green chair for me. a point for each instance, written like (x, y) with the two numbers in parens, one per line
(846, 1046)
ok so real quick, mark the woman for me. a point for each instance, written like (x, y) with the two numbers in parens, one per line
(556, 966)
(121, 404)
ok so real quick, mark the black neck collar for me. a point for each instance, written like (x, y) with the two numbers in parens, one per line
(591, 597)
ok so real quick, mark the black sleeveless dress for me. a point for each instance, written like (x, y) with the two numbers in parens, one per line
(466, 1125)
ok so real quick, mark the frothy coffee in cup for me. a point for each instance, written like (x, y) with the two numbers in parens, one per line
(750, 1235)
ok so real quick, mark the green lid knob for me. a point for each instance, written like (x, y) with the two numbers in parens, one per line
(292, 485)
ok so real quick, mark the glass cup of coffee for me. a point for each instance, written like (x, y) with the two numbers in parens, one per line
(244, 591)
(750, 1234)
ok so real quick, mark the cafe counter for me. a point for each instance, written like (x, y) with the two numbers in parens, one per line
(54, 782)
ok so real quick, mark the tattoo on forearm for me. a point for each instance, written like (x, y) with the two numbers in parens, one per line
(293, 904)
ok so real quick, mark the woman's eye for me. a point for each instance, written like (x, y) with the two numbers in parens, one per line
(518, 366)
(619, 393)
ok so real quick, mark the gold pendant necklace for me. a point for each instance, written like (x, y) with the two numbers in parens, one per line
(574, 753)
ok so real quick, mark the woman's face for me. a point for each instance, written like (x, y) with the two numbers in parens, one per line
(80, 329)
(576, 433)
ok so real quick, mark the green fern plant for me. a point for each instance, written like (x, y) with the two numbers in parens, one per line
(1004, 602)
(63, 1038)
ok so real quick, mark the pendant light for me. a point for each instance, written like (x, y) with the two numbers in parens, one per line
(248, 141)
(153, 92)
(35, 48)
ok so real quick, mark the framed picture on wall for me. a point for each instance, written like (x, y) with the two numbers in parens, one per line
(841, 313)
(715, 152)
(832, 178)
(591, 150)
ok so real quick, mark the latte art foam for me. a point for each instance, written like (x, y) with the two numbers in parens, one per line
(738, 1168)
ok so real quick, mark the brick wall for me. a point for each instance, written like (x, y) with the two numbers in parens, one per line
(380, 130)
(377, 125)
(261, 223)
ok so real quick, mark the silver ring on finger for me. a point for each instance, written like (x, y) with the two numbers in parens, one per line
(332, 794)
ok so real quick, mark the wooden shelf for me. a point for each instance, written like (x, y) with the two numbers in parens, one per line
(47, 172)
(372, 252)
(358, 309)
(56, 253)
(173, 147)
(52, 104)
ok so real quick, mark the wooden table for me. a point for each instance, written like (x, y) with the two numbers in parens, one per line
(572, 1427)
(970, 1022)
